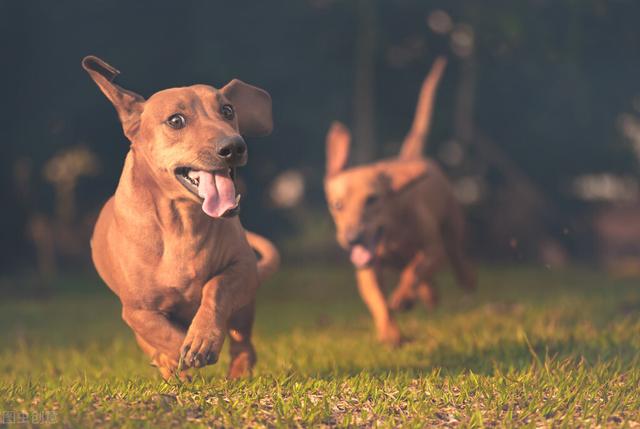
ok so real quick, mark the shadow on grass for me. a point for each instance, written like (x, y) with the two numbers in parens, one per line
(503, 357)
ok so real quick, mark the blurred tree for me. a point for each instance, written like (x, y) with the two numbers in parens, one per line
(546, 83)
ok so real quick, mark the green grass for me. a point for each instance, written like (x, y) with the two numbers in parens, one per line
(532, 348)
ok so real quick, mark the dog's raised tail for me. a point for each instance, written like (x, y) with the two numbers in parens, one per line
(416, 139)
(269, 256)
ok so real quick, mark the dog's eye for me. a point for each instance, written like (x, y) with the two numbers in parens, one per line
(176, 121)
(337, 205)
(371, 200)
(227, 111)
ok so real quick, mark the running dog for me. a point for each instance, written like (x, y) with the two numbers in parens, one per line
(169, 242)
(397, 213)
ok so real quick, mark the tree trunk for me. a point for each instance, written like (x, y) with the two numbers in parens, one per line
(364, 106)
(464, 116)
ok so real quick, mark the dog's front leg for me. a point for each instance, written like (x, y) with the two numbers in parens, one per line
(415, 282)
(434, 258)
(220, 297)
(373, 297)
(404, 295)
(206, 333)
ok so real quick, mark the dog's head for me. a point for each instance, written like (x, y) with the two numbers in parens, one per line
(363, 199)
(191, 137)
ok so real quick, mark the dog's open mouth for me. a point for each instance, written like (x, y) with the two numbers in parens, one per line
(216, 189)
(363, 254)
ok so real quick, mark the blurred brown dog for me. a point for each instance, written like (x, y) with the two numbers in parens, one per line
(169, 243)
(398, 213)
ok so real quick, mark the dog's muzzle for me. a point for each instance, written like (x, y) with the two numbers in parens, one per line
(232, 151)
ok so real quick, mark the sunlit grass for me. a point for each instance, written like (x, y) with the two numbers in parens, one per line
(532, 347)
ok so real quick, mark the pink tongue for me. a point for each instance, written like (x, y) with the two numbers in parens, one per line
(360, 256)
(218, 191)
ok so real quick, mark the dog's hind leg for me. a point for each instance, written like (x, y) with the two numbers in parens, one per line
(454, 243)
(243, 355)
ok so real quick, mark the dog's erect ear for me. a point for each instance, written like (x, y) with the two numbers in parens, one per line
(404, 174)
(252, 106)
(338, 143)
(128, 104)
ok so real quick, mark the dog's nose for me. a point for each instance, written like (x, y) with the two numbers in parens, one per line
(354, 236)
(232, 150)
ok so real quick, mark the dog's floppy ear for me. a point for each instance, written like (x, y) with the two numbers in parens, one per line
(337, 145)
(406, 173)
(128, 104)
(252, 106)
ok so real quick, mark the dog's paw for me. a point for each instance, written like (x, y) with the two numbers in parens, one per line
(241, 365)
(168, 368)
(199, 349)
(170, 374)
(428, 296)
(390, 335)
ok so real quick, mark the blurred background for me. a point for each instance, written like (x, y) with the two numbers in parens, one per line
(537, 119)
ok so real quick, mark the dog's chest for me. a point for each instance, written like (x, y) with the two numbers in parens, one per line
(396, 252)
(183, 270)
(184, 263)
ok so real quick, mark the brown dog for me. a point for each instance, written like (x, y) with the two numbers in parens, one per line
(397, 213)
(169, 243)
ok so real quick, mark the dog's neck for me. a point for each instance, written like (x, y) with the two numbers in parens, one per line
(147, 198)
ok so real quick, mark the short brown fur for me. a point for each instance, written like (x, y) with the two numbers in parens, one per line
(404, 211)
(185, 280)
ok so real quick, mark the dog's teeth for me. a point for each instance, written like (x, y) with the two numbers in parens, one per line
(238, 198)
